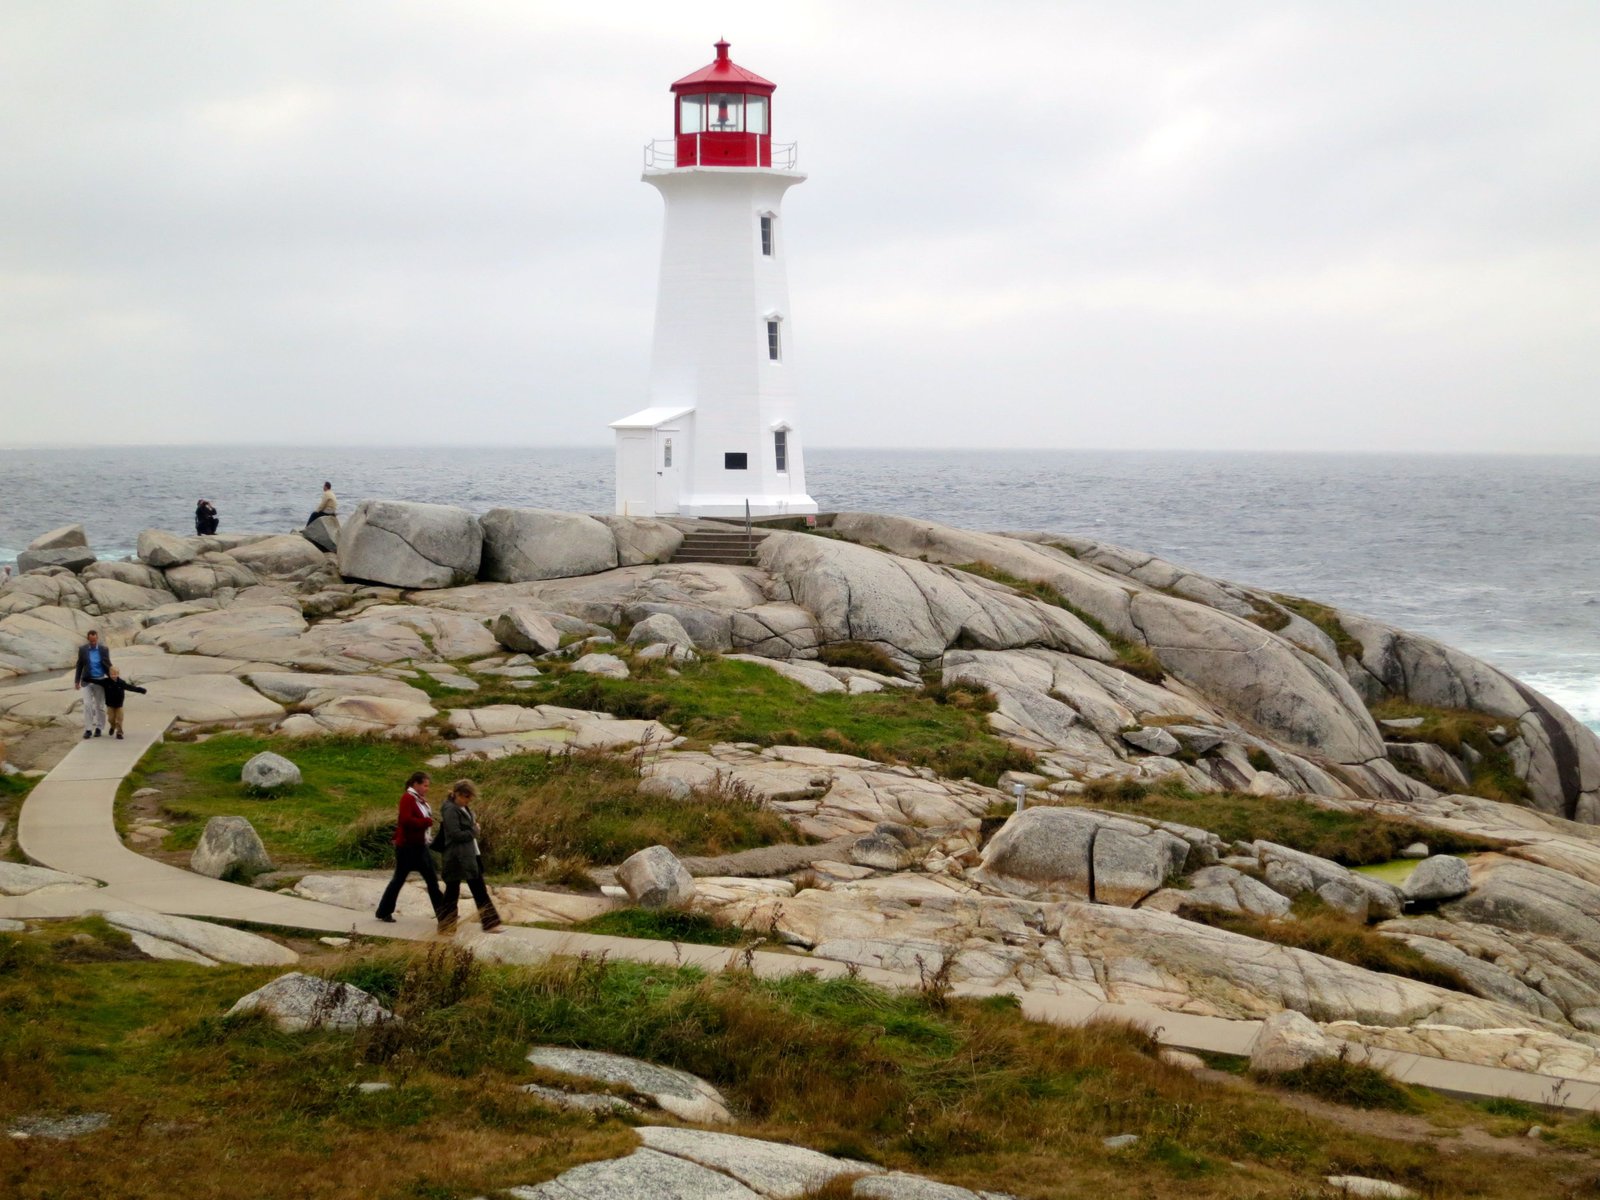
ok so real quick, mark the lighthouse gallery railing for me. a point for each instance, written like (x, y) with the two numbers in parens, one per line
(661, 154)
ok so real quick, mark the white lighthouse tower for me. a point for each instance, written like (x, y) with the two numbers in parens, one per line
(722, 430)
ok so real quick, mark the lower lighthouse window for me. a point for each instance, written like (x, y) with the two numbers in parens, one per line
(735, 462)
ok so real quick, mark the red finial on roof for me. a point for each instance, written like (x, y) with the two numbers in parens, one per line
(722, 49)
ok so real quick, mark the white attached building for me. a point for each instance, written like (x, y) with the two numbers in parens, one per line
(721, 430)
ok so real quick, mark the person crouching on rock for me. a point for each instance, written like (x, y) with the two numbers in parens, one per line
(116, 691)
(457, 844)
(411, 847)
(205, 517)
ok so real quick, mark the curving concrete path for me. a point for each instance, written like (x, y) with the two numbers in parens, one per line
(68, 824)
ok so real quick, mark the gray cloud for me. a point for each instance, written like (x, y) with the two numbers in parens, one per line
(1342, 226)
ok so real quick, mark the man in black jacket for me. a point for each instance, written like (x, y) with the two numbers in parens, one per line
(94, 665)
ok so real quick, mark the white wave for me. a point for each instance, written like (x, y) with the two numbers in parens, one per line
(1578, 693)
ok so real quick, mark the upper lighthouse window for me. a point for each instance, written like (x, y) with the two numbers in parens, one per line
(756, 114)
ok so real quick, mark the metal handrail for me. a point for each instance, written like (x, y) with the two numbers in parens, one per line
(661, 154)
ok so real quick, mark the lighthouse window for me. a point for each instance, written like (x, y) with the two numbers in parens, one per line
(725, 112)
(756, 114)
(735, 462)
(691, 114)
(766, 236)
(780, 447)
(773, 345)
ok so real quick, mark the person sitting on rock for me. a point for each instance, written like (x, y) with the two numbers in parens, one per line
(205, 517)
(116, 691)
(328, 506)
(411, 847)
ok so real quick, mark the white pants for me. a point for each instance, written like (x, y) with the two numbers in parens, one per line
(94, 707)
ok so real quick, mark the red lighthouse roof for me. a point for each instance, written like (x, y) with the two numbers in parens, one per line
(724, 75)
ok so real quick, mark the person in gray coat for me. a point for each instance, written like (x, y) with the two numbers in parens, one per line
(456, 843)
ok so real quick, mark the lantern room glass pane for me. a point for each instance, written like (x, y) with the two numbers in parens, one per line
(691, 114)
(756, 114)
(725, 112)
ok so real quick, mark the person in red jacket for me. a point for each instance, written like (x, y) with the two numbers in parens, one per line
(411, 852)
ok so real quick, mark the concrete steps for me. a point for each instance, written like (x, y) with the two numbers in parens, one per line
(728, 546)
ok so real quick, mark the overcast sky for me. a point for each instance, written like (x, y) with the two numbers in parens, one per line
(1347, 226)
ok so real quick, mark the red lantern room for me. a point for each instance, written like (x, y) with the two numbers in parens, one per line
(724, 116)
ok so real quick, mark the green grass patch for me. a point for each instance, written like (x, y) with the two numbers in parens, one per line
(863, 656)
(966, 1092)
(538, 811)
(1327, 620)
(1455, 731)
(1132, 657)
(1350, 1083)
(543, 816)
(717, 700)
(660, 925)
(343, 777)
(15, 787)
(1352, 839)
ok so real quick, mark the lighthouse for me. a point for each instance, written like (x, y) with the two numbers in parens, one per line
(721, 435)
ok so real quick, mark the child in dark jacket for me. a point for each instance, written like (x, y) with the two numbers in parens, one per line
(116, 690)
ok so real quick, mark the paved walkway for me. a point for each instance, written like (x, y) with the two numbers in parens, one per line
(68, 823)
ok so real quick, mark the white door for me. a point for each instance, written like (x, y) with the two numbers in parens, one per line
(636, 478)
(669, 458)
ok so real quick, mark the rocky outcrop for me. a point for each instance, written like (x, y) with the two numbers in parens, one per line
(913, 610)
(1440, 877)
(642, 539)
(186, 940)
(411, 545)
(521, 544)
(1067, 851)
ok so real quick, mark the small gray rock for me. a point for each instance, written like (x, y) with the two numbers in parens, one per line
(660, 629)
(607, 665)
(1441, 877)
(226, 844)
(1372, 1189)
(597, 1102)
(685, 1096)
(644, 1173)
(1288, 1041)
(668, 787)
(1402, 723)
(769, 1168)
(1121, 1141)
(297, 1002)
(323, 533)
(654, 878)
(267, 772)
(1415, 850)
(1152, 740)
(526, 630)
(59, 1129)
(880, 852)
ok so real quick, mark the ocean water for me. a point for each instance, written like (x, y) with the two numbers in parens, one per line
(1496, 555)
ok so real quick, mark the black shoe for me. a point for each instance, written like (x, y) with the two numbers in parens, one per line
(384, 919)
(97, 733)
(87, 735)
(119, 735)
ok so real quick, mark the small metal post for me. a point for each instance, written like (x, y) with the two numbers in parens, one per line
(1020, 791)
